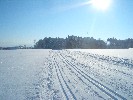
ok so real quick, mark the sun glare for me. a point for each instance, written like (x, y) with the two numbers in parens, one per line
(101, 4)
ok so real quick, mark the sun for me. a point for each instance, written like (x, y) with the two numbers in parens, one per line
(101, 4)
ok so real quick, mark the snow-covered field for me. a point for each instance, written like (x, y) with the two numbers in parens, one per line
(66, 74)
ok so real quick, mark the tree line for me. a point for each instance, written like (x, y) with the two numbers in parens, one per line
(76, 42)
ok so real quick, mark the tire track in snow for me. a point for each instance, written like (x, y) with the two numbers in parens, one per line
(74, 97)
(95, 82)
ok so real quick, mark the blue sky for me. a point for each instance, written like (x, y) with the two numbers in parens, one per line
(23, 21)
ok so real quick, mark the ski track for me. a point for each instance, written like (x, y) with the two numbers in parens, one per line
(74, 97)
(75, 75)
(84, 83)
(62, 85)
(96, 83)
(124, 85)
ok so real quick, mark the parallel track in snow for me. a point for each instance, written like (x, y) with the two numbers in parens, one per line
(99, 85)
(63, 83)
(82, 80)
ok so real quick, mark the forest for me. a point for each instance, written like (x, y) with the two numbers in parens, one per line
(76, 42)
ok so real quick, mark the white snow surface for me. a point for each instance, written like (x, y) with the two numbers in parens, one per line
(122, 53)
(74, 74)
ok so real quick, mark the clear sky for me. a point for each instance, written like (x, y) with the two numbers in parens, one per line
(23, 21)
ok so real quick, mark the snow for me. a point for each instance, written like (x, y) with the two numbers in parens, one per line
(17, 71)
(122, 53)
(75, 74)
